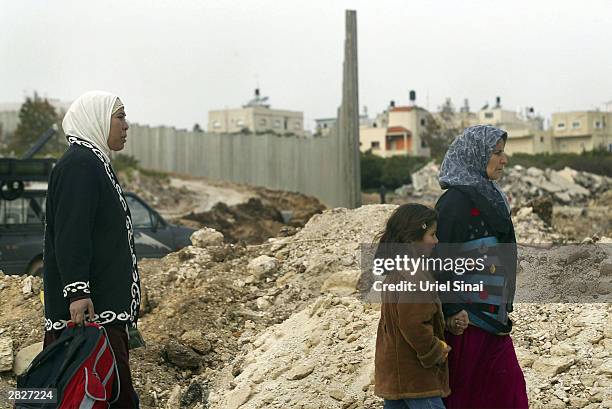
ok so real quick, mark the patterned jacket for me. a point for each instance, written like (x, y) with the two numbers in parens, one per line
(89, 241)
(468, 225)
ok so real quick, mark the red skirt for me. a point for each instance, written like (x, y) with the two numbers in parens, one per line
(484, 372)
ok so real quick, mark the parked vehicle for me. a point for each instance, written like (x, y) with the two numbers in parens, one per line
(22, 219)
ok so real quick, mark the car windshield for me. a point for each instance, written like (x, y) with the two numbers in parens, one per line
(24, 210)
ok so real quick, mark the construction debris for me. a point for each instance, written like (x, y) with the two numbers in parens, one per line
(280, 324)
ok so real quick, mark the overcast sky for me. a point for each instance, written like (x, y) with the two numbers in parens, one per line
(172, 61)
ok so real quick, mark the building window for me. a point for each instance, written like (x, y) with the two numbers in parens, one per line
(575, 124)
(263, 122)
(423, 122)
(561, 125)
(488, 115)
(423, 143)
(277, 123)
(216, 124)
(375, 145)
(598, 124)
(541, 139)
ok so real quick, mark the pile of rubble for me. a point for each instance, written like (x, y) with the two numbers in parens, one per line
(522, 185)
(321, 357)
(242, 213)
(531, 229)
(280, 324)
(565, 352)
(270, 214)
(564, 186)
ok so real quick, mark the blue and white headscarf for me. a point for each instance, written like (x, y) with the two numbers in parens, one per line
(465, 164)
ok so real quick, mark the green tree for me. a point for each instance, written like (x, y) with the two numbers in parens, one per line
(35, 117)
(391, 172)
(371, 170)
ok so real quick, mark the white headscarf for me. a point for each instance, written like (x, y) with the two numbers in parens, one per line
(89, 118)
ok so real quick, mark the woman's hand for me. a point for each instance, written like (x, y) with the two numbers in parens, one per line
(457, 323)
(78, 309)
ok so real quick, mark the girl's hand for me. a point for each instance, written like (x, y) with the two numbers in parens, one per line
(447, 349)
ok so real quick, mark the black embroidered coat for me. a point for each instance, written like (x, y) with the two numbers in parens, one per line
(89, 246)
(465, 216)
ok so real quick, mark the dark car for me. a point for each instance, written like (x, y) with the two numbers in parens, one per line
(22, 232)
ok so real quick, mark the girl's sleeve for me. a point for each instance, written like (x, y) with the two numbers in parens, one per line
(416, 326)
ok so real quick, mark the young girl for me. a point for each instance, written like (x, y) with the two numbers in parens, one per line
(411, 370)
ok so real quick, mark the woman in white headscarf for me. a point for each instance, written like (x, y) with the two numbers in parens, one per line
(90, 268)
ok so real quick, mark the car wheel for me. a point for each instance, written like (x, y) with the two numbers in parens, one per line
(36, 268)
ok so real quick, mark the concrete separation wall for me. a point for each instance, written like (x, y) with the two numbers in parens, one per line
(309, 166)
(327, 167)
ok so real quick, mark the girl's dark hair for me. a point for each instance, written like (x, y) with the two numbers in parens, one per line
(408, 223)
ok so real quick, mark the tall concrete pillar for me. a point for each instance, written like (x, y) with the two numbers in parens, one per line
(348, 118)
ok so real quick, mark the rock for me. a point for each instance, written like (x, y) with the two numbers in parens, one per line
(605, 268)
(206, 237)
(262, 265)
(578, 402)
(337, 393)
(239, 396)
(342, 282)
(426, 178)
(525, 357)
(195, 340)
(555, 403)
(174, 400)
(553, 365)
(606, 367)
(300, 372)
(27, 285)
(543, 207)
(180, 355)
(608, 328)
(604, 287)
(194, 393)
(25, 356)
(563, 349)
(563, 197)
(6, 354)
(588, 380)
(575, 254)
(262, 303)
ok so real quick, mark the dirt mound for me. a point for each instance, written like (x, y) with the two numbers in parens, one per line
(321, 357)
(261, 325)
(272, 214)
(251, 222)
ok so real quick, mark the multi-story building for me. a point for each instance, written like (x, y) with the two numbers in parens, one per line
(526, 132)
(397, 131)
(256, 116)
(579, 131)
(325, 125)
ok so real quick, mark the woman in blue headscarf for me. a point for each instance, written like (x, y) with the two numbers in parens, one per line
(474, 215)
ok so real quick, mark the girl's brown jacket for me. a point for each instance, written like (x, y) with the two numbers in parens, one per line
(409, 360)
